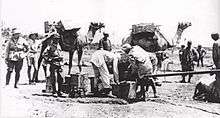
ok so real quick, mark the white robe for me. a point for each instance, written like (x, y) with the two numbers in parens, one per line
(99, 60)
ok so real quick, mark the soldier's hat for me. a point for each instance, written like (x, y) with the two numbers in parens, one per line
(15, 31)
(105, 34)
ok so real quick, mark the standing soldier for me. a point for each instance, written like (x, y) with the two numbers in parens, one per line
(105, 43)
(216, 60)
(53, 59)
(31, 57)
(202, 53)
(189, 55)
(15, 53)
(181, 55)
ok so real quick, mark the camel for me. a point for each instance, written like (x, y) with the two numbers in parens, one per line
(153, 40)
(69, 42)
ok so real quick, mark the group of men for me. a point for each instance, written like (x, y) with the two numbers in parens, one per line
(188, 56)
(105, 64)
(104, 61)
(18, 48)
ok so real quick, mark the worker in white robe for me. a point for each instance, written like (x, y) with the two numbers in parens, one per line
(104, 64)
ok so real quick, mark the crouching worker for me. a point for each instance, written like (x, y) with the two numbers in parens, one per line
(104, 64)
(205, 89)
(146, 64)
(54, 61)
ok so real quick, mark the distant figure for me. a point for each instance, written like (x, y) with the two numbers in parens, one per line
(31, 57)
(105, 43)
(181, 52)
(202, 53)
(181, 55)
(161, 56)
(216, 59)
(189, 55)
(15, 53)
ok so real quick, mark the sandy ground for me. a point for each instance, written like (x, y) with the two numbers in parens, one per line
(175, 101)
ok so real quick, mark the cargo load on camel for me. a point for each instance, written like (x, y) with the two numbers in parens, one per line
(150, 38)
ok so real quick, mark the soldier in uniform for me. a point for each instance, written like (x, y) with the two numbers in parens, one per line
(31, 57)
(202, 53)
(54, 60)
(15, 53)
(105, 43)
(189, 55)
(181, 55)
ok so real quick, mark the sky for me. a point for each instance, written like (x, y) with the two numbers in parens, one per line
(118, 16)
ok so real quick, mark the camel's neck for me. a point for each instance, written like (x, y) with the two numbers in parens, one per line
(90, 35)
(177, 37)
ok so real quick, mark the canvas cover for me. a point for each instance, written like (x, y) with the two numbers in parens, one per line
(144, 27)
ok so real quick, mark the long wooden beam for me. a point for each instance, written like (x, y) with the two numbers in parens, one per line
(184, 73)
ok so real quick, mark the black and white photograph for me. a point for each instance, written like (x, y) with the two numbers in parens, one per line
(109, 59)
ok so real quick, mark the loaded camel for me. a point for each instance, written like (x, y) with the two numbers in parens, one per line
(69, 42)
(152, 41)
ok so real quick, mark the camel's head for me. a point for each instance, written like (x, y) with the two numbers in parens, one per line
(93, 27)
(96, 26)
(182, 26)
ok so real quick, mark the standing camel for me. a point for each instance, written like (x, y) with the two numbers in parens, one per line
(154, 40)
(69, 41)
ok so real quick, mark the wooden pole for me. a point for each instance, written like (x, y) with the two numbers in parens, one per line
(184, 73)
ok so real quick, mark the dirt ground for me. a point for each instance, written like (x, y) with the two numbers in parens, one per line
(175, 99)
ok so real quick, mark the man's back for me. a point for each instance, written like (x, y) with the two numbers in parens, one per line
(216, 53)
(105, 44)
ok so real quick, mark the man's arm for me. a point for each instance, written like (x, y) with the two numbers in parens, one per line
(110, 45)
(204, 52)
(7, 50)
(195, 52)
(115, 70)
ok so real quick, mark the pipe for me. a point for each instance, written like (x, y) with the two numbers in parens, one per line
(184, 73)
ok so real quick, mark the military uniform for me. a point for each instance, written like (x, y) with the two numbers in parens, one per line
(202, 53)
(53, 58)
(189, 55)
(15, 53)
(31, 59)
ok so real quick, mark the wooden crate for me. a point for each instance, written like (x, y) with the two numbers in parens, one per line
(125, 90)
(75, 83)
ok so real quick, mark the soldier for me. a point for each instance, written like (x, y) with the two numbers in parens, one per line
(105, 43)
(202, 53)
(181, 52)
(53, 59)
(15, 53)
(189, 55)
(31, 57)
(181, 55)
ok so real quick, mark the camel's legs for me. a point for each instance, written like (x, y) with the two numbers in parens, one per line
(70, 60)
(80, 52)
